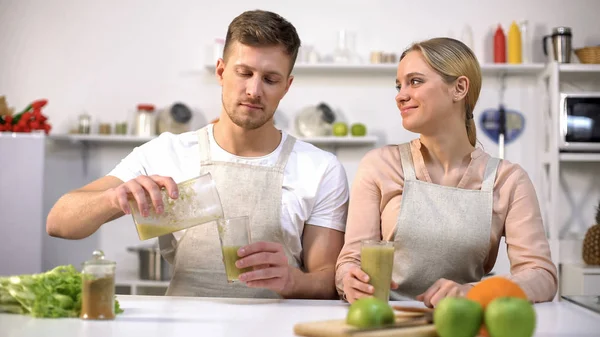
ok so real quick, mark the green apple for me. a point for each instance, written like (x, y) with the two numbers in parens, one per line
(457, 317)
(358, 130)
(340, 129)
(510, 316)
(370, 312)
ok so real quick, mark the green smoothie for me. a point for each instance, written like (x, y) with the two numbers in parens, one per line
(378, 262)
(229, 258)
(147, 231)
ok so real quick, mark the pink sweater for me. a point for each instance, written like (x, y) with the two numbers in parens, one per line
(376, 198)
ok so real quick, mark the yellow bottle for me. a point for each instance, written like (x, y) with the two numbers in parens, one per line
(514, 44)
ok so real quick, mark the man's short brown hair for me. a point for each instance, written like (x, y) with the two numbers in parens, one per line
(260, 28)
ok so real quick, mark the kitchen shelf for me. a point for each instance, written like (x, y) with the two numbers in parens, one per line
(338, 141)
(579, 68)
(567, 157)
(390, 68)
(512, 69)
(579, 157)
(95, 138)
(128, 139)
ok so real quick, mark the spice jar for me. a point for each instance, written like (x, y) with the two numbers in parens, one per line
(84, 123)
(98, 288)
(104, 129)
(145, 124)
(121, 128)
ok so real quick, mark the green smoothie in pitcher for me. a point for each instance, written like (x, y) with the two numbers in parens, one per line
(377, 260)
(230, 256)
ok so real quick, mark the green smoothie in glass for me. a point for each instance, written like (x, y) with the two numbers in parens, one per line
(377, 260)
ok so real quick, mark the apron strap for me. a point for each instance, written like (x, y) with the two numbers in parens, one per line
(288, 146)
(407, 162)
(489, 175)
(204, 145)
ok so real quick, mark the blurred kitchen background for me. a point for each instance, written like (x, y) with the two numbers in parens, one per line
(116, 73)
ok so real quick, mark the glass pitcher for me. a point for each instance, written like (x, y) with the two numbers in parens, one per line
(198, 203)
(98, 288)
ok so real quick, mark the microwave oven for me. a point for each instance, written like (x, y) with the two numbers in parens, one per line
(579, 122)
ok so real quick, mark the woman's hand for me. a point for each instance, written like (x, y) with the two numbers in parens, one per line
(356, 284)
(440, 289)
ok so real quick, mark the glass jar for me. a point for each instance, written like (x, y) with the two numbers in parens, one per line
(98, 288)
(85, 123)
(145, 123)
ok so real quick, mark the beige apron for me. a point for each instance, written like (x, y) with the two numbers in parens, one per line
(244, 190)
(441, 232)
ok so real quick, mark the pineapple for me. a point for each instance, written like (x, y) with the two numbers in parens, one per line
(591, 242)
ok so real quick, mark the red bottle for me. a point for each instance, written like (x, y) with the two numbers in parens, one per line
(499, 46)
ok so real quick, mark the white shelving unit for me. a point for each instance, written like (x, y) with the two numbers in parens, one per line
(98, 138)
(579, 157)
(390, 68)
(578, 68)
(135, 140)
(549, 81)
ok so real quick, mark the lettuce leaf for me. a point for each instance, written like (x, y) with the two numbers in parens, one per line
(53, 294)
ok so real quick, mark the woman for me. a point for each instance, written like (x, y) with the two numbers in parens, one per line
(443, 201)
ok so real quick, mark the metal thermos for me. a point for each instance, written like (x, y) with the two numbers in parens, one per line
(561, 44)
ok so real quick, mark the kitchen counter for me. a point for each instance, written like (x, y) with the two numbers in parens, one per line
(177, 316)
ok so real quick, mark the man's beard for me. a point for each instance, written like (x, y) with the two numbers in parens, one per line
(247, 123)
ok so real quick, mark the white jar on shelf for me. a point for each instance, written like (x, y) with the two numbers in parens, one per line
(145, 121)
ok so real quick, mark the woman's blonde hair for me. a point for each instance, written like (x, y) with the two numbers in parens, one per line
(451, 59)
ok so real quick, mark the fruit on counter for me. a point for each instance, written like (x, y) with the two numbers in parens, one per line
(510, 317)
(340, 129)
(370, 312)
(457, 317)
(491, 288)
(52, 294)
(358, 130)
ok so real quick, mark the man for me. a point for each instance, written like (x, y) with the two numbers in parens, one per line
(295, 194)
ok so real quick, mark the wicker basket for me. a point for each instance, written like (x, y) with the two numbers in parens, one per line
(588, 54)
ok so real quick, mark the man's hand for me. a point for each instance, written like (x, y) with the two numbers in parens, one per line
(141, 188)
(270, 264)
(440, 289)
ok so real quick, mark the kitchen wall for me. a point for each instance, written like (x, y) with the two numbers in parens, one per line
(104, 57)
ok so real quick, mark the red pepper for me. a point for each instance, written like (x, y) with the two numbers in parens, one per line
(36, 105)
(40, 103)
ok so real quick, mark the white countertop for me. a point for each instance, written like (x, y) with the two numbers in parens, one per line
(177, 316)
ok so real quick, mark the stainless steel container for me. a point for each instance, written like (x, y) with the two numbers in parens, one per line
(152, 266)
(561, 44)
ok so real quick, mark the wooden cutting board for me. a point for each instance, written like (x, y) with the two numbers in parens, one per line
(339, 328)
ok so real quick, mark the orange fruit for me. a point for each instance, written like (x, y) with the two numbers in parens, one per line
(491, 288)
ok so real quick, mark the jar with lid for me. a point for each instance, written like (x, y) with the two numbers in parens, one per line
(175, 119)
(98, 288)
(145, 124)
(85, 123)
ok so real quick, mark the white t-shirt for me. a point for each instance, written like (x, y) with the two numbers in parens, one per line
(315, 187)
